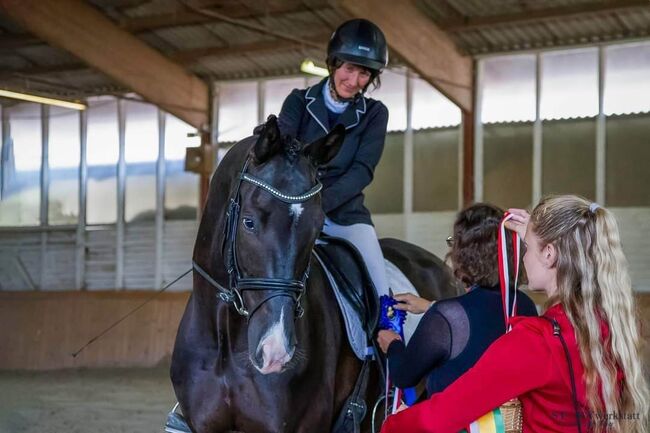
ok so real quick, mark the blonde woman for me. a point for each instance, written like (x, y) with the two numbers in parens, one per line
(573, 253)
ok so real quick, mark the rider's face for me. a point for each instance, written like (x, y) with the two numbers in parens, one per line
(350, 79)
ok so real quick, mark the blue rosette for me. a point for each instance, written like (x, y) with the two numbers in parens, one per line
(391, 318)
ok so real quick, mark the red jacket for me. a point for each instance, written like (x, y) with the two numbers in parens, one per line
(528, 362)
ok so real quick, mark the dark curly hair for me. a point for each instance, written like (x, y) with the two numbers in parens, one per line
(474, 251)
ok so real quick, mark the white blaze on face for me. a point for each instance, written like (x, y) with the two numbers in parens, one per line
(274, 348)
(295, 210)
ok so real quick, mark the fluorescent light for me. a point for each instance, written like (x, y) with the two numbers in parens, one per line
(308, 67)
(42, 100)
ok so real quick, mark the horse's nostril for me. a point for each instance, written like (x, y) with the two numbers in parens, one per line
(258, 358)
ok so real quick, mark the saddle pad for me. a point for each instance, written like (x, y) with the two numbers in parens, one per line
(354, 329)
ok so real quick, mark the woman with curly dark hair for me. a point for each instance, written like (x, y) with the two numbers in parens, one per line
(453, 334)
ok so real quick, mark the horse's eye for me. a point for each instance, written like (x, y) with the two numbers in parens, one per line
(248, 224)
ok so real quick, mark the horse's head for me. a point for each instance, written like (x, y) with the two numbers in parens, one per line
(279, 218)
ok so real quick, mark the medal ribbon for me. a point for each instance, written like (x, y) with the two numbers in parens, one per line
(504, 271)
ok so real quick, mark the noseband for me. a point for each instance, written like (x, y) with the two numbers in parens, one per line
(237, 284)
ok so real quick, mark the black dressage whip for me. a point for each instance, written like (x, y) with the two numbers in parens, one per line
(105, 331)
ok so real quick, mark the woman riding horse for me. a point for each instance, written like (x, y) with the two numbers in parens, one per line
(356, 55)
(252, 353)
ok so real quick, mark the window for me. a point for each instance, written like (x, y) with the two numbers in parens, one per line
(276, 92)
(508, 89)
(393, 94)
(576, 70)
(182, 187)
(64, 154)
(237, 110)
(21, 165)
(430, 108)
(102, 155)
(140, 154)
(627, 87)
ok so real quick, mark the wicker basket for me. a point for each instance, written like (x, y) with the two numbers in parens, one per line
(512, 416)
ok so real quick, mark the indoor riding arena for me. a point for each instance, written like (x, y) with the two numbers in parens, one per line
(116, 113)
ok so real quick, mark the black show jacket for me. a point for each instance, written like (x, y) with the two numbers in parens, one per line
(305, 117)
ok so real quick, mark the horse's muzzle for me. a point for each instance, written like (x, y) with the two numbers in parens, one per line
(273, 351)
(272, 360)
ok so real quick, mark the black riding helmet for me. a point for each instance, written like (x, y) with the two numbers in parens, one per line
(360, 42)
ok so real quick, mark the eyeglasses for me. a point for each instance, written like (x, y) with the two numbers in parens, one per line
(450, 241)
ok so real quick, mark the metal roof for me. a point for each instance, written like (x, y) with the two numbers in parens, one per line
(491, 26)
(215, 49)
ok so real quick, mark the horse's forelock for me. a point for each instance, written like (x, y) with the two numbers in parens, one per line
(292, 148)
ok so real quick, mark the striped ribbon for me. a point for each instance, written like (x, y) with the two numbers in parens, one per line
(504, 271)
(491, 422)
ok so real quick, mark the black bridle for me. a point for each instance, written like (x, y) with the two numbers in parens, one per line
(238, 284)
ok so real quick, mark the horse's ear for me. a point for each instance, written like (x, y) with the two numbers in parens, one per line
(268, 143)
(324, 149)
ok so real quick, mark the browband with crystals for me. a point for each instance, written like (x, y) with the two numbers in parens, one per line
(279, 195)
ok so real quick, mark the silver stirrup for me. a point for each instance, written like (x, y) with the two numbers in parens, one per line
(176, 422)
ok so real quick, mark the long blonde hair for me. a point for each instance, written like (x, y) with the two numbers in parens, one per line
(593, 284)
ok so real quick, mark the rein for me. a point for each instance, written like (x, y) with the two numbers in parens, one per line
(238, 284)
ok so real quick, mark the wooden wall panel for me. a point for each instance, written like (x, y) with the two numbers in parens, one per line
(42, 330)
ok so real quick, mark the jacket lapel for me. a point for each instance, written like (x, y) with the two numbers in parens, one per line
(316, 106)
(352, 115)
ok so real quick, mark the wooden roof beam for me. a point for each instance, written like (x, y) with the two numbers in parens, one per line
(83, 31)
(421, 44)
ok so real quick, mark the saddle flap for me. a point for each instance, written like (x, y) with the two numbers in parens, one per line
(345, 264)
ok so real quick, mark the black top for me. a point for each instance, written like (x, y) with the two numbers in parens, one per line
(305, 117)
(451, 336)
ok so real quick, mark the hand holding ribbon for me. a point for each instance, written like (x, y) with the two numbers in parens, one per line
(391, 320)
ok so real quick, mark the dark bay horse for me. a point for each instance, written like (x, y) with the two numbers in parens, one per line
(261, 345)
